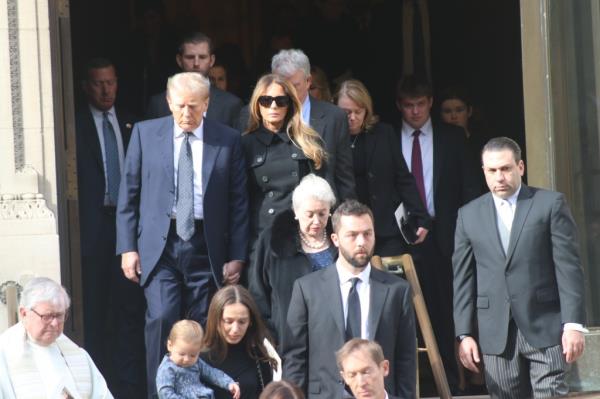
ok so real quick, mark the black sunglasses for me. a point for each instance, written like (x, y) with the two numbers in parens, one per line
(280, 101)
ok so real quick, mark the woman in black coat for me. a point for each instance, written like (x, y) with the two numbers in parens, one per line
(279, 150)
(296, 244)
(383, 180)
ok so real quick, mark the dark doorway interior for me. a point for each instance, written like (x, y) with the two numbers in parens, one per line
(474, 44)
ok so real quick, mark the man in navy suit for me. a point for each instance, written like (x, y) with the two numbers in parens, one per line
(182, 217)
(195, 55)
(102, 131)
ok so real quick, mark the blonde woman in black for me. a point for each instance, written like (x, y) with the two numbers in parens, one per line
(280, 150)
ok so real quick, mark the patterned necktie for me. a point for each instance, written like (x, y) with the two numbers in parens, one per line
(416, 166)
(353, 316)
(185, 191)
(111, 157)
(505, 223)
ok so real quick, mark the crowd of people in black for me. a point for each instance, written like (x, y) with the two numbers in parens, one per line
(290, 196)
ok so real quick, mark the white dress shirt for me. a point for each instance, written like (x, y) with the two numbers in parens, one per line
(512, 202)
(364, 294)
(306, 110)
(112, 117)
(197, 144)
(426, 142)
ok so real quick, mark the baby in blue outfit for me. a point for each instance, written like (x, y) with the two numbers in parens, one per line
(181, 373)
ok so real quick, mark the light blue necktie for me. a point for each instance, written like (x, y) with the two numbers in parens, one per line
(185, 190)
(111, 156)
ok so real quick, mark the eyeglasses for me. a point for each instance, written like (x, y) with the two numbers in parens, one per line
(48, 317)
(280, 101)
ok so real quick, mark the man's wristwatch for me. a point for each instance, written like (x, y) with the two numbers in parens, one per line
(461, 337)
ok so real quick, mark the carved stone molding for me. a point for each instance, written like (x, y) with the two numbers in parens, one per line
(24, 206)
(15, 83)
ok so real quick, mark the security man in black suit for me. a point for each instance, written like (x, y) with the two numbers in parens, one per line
(113, 307)
(436, 156)
(195, 54)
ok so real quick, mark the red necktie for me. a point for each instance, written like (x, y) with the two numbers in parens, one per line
(416, 166)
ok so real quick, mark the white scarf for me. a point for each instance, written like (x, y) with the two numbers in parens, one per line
(27, 380)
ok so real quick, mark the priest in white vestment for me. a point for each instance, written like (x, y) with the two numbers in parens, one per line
(37, 360)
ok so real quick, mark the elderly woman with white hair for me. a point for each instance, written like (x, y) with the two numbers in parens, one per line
(296, 244)
(36, 359)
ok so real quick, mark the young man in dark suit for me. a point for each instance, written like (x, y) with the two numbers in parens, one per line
(102, 135)
(436, 156)
(182, 217)
(517, 275)
(349, 299)
(195, 54)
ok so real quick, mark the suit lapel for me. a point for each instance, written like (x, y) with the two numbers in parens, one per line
(438, 157)
(125, 126)
(212, 103)
(379, 291)
(90, 136)
(210, 151)
(489, 218)
(331, 283)
(524, 202)
(316, 116)
(165, 147)
(370, 143)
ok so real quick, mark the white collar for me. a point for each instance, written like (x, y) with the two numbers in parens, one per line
(345, 275)
(96, 112)
(198, 132)
(425, 130)
(512, 200)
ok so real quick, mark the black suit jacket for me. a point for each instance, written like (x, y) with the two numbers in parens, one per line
(316, 331)
(390, 182)
(222, 106)
(332, 124)
(538, 283)
(90, 171)
(454, 181)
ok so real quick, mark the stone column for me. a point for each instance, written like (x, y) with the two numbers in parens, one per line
(29, 241)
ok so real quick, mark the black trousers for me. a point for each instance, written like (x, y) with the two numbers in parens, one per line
(180, 287)
(113, 315)
(435, 276)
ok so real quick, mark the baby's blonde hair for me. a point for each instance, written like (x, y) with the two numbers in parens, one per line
(188, 331)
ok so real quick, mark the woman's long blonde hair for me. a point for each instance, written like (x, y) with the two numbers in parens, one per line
(302, 135)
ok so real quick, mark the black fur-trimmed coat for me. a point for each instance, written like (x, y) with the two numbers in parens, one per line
(278, 262)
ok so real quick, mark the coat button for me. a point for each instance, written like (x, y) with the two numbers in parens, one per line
(265, 179)
(294, 155)
(271, 211)
(271, 194)
(294, 173)
(259, 159)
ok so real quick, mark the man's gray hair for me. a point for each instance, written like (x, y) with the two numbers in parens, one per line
(287, 62)
(43, 289)
(189, 81)
(312, 187)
